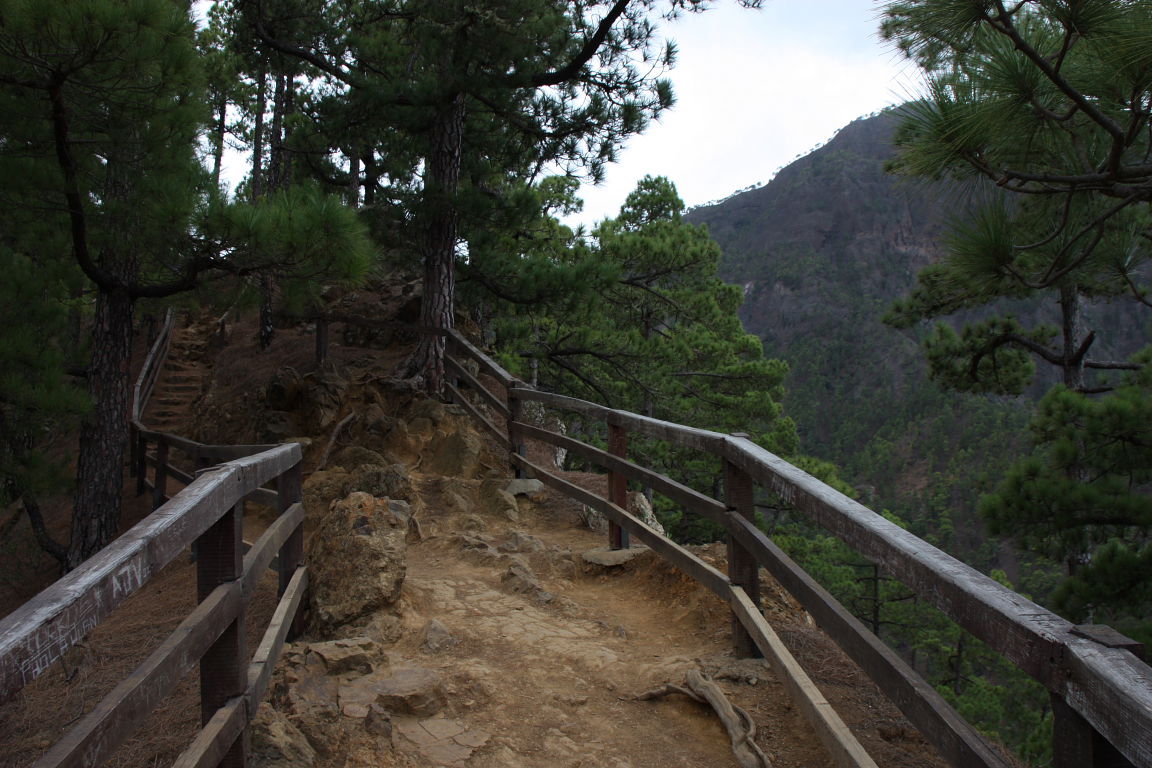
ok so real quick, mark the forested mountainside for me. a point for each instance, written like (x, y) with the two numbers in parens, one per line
(822, 251)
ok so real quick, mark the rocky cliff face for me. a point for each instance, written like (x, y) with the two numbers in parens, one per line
(821, 252)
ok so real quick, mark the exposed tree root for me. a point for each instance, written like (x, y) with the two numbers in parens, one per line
(332, 439)
(740, 726)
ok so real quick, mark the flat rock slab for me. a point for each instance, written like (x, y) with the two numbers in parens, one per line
(610, 557)
(442, 741)
(405, 691)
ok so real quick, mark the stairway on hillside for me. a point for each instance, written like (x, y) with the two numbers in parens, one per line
(181, 382)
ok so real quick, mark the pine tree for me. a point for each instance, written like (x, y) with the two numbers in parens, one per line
(485, 94)
(1048, 102)
(102, 114)
(653, 331)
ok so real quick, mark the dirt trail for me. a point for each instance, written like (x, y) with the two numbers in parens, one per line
(543, 671)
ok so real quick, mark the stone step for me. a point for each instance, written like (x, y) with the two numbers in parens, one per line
(184, 378)
(164, 413)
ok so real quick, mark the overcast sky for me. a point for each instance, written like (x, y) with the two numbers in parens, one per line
(755, 89)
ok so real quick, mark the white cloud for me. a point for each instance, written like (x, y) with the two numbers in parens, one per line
(754, 90)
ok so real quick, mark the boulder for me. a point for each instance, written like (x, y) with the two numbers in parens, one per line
(455, 454)
(402, 445)
(392, 481)
(276, 426)
(277, 743)
(641, 509)
(323, 487)
(284, 391)
(357, 562)
(355, 457)
(322, 398)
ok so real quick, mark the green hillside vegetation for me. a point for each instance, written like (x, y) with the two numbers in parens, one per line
(1050, 105)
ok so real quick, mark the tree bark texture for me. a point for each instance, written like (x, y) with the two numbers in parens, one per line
(257, 186)
(104, 433)
(1071, 319)
(438, 245)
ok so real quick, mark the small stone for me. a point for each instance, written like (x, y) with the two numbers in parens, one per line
(520, 580)
(611, 557)
(518, 541)
(524, 487)
(355, 710)
(437, 637)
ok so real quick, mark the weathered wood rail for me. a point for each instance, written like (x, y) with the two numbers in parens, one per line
(1101, 692)
(207, 515)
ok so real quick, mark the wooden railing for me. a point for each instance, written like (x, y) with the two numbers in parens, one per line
(207, 515)
(1101, 693)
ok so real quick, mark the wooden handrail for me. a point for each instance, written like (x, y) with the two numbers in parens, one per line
(1108, 687)
(207, 513)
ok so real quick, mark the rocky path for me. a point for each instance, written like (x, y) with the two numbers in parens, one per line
(506, 646)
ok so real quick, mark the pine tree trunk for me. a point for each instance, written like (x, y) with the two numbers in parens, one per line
(104, 433)
(439, 241)
(258, 138)
(354, 179)
(1071, 316)
(267, 330)
(276, 137)
(219, 129)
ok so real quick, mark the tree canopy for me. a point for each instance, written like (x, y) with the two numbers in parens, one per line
(1044, 107)
(101, 111)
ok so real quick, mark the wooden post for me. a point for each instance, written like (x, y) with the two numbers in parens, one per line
(160, 491)
(1076, 744)
(743, 568)
(223, 668)
(321, 341)
(289, 492)
(617, 485)
(515, 413)
(1074, 741)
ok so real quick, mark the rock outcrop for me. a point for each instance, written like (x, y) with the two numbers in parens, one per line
(357, 560)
